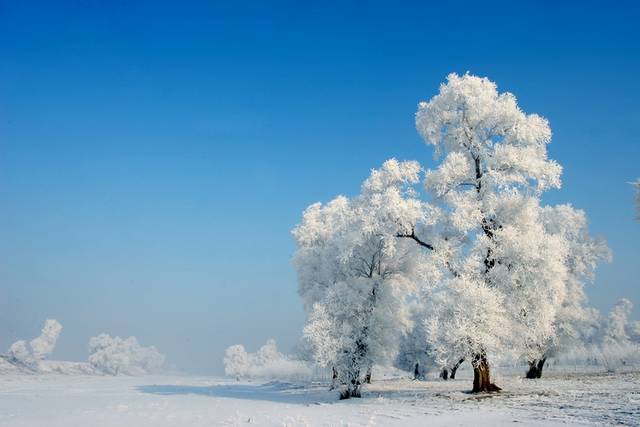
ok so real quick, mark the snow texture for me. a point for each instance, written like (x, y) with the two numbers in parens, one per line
(163, 401)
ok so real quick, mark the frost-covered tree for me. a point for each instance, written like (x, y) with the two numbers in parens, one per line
(115, 355)
(492, 269)
(508, 275)
(356, 261)
(616, 327)
(267, 362)
(616, 343)
(236, 361)
(575, 322)
(31, 354)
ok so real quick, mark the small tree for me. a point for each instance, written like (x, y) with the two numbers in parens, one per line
(30, 355)
(236, 361)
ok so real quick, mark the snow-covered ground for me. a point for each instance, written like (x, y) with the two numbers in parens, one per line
(55, 400)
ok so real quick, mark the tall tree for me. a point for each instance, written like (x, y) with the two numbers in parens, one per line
(493, 170)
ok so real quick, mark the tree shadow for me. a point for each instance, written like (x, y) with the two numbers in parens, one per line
(275, 391)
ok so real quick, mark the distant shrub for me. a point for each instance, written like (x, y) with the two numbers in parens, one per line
(115, 355)
(266, 363)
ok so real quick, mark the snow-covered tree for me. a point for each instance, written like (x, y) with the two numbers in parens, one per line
(495, 273)
(356, 261)
(236, 361)
(616, 343)
(30, 355)
(507, 278)
(115, 355)
(267, 362)
(616, 326)
(575, 322)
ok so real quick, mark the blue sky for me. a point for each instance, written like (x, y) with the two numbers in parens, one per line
(154, 156)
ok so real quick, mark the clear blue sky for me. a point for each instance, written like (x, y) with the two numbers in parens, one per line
(154, 157)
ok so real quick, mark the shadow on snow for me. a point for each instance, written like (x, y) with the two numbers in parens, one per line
(272, 392)
(284, 392)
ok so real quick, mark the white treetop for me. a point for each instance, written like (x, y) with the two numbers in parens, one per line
(487, 140)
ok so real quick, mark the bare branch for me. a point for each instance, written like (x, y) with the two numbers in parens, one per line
(418, 241)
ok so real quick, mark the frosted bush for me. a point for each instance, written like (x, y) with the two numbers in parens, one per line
(38, 349)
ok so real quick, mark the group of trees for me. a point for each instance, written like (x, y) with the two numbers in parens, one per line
(267, 362)
(471, 266)
(115, 355)
(107, 355)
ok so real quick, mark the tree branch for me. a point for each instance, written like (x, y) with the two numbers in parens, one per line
(418, 241)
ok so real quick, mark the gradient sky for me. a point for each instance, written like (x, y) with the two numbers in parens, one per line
(154, 156)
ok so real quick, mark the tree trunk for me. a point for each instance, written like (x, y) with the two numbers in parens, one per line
(353, 387)
(334, 378)
(353, 390)
(482, 375)
(455, 369)
(444, 374)
(367, 377)
(535, 368)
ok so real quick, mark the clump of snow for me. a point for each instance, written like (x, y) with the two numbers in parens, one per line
(115, 355)
(267, 362)
(32, 354)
